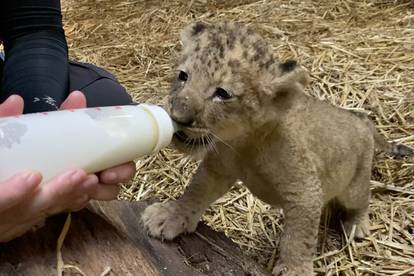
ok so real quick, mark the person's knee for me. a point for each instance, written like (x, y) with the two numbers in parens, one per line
(100, 87)
(106, 92)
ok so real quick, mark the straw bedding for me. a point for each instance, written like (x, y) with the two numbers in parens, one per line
(360, 55)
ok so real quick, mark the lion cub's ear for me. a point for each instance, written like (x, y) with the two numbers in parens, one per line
(290, 71)
(192, 31)
(289, 76)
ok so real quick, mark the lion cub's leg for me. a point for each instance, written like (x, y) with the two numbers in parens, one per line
(355, 200)
(170, 219)
(302, 209)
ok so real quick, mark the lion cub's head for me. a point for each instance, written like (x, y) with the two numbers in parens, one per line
(227, 85)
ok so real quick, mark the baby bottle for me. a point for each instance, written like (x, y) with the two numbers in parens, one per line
(93, 139)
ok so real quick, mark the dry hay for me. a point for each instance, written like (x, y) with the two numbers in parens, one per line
(360, 55)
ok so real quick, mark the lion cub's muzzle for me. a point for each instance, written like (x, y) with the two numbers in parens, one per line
(191, 133)
(181, 112)
(193, 136)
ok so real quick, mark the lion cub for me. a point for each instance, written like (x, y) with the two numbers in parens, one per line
(248, 116)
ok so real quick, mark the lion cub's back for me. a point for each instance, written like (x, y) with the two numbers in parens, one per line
(341, 141)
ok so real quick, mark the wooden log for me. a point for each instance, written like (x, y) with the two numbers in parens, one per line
(108, 237)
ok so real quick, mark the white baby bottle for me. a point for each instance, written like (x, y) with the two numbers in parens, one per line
(93, 139)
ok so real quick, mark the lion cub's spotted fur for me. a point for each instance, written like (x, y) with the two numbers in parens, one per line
(246, 113)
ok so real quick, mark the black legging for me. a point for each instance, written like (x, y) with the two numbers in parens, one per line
(36, 64)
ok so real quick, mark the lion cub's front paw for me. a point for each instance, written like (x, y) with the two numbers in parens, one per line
(168, 220)
(361, 227)
(360, 220)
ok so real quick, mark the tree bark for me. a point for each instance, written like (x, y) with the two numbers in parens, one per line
(108, 237)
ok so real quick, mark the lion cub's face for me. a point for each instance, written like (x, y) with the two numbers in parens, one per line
(222, 84)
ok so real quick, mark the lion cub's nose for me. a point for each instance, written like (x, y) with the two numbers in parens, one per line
(182, 119)
(181, 112)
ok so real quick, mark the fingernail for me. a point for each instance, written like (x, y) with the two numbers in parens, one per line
(29, 177)
(76, 175)
(111, 176)
(91, 180)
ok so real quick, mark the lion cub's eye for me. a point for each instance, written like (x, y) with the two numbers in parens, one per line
(182, 76)
(222, 94)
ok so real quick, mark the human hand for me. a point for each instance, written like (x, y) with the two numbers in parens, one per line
(24, 203)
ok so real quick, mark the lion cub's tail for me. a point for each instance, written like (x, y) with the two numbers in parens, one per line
(394, 149)
(381, 143)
